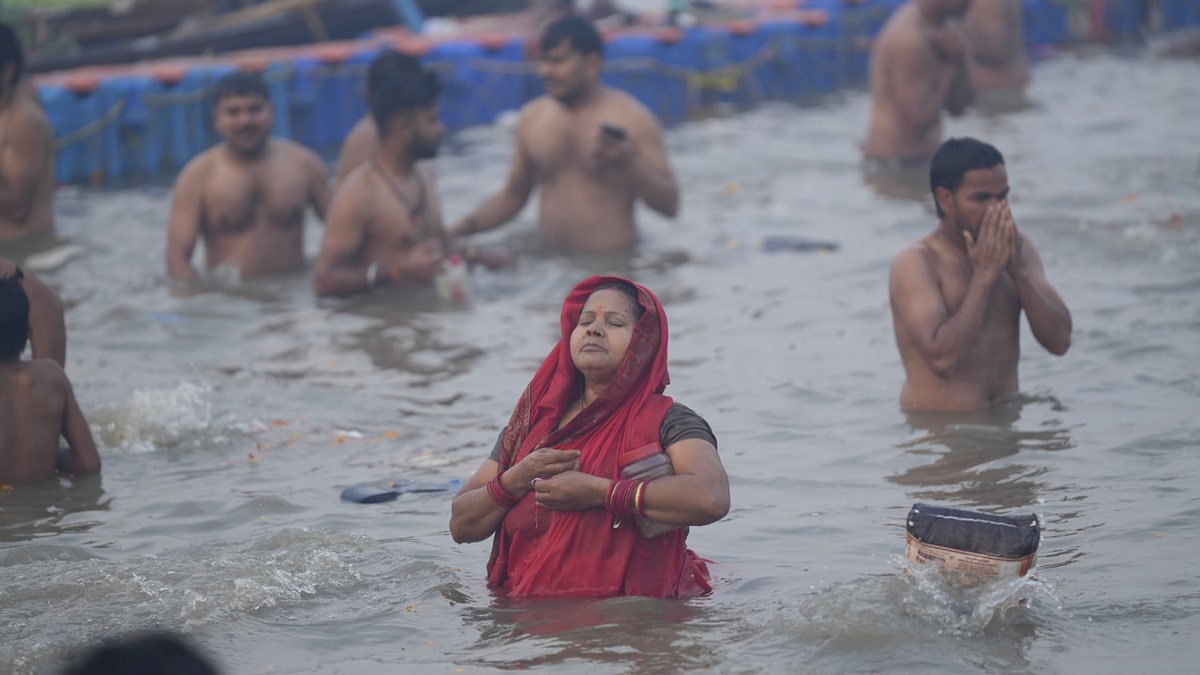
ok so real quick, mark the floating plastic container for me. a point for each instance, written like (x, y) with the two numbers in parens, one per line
(453, 283)
(970, 546)
(648, 463)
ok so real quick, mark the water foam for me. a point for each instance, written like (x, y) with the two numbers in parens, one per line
(156, 418)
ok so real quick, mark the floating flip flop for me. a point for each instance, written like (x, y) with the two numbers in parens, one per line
(388, 490)
(772, 244)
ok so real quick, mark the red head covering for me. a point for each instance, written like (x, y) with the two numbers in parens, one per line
(537, 552)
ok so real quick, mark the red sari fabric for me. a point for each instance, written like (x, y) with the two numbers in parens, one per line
(541, 553)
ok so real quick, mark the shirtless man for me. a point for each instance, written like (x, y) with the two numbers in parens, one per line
(957, 294)
(47, 324)
(247, 195)
(592, 151)
(27, 150)
(999, 65)
(385, 223)
(37, 404)
(918, 67)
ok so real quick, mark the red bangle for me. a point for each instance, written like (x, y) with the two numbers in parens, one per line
(639, 499)
(620, 501)
(498, 494)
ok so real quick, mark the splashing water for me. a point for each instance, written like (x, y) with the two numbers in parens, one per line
(156, 418)
(932, 596)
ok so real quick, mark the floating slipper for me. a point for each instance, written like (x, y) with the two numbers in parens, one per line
(388, 490)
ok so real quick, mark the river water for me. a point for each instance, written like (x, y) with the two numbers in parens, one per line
(231, 417)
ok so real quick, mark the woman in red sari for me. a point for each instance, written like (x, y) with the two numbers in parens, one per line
(563, 519)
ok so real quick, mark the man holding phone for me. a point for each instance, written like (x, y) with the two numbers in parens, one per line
(593, 152)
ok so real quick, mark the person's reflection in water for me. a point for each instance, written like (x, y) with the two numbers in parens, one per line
(48, 508)
(968, 472)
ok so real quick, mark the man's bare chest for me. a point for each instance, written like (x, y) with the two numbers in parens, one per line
(237, 203)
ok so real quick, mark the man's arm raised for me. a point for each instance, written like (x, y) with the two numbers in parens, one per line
(1049, 318)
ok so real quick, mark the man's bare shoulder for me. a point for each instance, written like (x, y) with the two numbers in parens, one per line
(627, 105)
(535, 112)
(355, 193)
(294, 151)
(359, 180)
(27, 117)
(901, 35)
(918, 255)
(33, 373)
(198, 168)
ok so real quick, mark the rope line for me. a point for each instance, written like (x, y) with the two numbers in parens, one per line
(91, 128)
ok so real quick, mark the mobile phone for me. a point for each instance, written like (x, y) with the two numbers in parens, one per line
(616, 132)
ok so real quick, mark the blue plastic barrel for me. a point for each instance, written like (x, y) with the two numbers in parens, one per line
(85, 124)
(1045, 22)
(850, 26)
(1178, 14)
(788, 61)
(177, 117)
(1124, 18)
(481, 81)
(707, 53)
(334, 98)
(647, 68)
(278, 78)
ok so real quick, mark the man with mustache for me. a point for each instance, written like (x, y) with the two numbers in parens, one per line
(385, 224)
(247, 195)
(591, 150)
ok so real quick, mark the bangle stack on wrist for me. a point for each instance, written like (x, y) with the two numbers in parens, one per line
(625, 497)
(499, 495)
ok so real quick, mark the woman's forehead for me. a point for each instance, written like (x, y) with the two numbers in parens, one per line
(608, 300)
